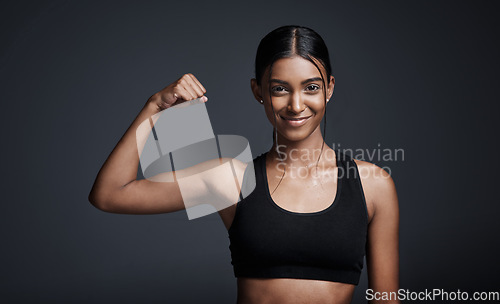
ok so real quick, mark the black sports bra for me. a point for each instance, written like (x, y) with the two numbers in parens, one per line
(267, 241)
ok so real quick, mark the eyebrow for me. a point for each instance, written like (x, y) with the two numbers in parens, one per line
(303, 82)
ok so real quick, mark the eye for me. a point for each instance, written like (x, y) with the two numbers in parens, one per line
(312, 87)
(278, 89)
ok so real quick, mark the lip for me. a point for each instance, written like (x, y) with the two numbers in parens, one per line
(295, 122)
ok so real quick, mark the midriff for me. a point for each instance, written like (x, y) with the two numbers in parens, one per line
(292, 291)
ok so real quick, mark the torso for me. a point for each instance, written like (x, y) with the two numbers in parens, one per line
(295, 195)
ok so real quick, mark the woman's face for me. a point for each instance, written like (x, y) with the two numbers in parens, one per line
(298, 99)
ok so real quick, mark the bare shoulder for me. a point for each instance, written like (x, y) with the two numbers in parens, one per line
(373, 173)
(378, 187)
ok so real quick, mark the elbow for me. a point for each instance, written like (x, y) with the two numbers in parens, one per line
(100, 201)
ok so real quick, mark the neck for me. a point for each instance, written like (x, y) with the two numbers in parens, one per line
(303, 153)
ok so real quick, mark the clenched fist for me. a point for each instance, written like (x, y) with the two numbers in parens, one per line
(183, 89)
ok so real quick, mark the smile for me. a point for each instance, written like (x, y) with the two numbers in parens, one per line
(295, 122)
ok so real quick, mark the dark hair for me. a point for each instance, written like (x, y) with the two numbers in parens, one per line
(285, 42)
(288, 41)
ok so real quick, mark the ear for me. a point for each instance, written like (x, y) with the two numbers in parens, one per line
(331, 85)
(256, 90)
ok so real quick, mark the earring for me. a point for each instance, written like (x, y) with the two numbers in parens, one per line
(261, 101)
(328, 99)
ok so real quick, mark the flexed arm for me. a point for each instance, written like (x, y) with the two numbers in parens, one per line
(116, 188)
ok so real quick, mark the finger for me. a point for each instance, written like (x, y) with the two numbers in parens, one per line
(198, 83)
(196, 88)
(184, 93)
(184, 82)
(190, 91)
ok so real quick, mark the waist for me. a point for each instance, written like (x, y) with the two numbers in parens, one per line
(285, 290)
(303, 272)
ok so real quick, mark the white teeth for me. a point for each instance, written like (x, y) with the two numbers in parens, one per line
(295, 118)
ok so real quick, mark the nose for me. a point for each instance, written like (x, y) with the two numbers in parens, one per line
(296, 104)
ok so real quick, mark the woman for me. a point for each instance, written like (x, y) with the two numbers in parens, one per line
(304, 241)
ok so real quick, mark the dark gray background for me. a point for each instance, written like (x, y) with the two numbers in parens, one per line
(421, 76)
